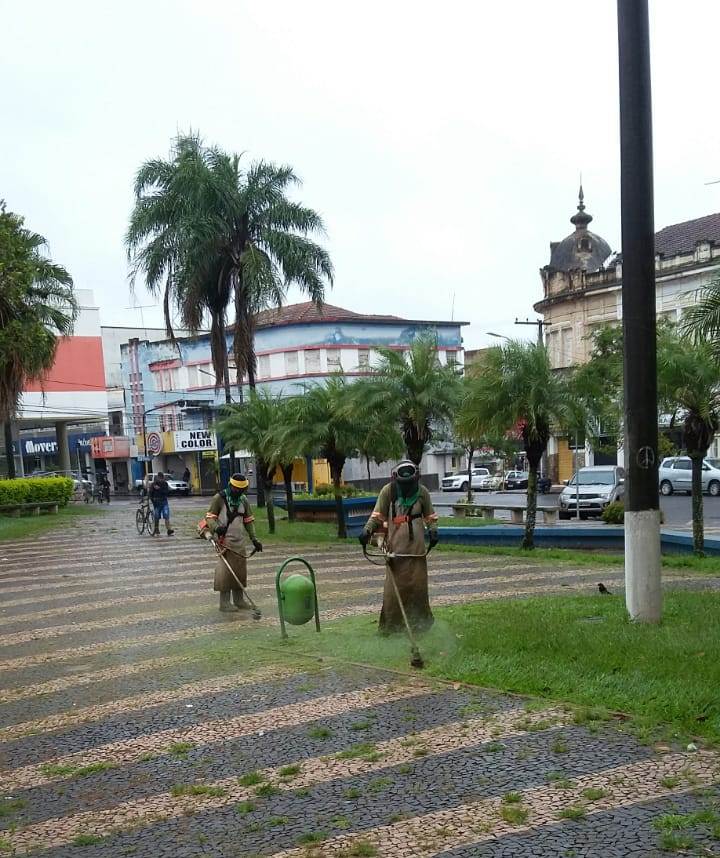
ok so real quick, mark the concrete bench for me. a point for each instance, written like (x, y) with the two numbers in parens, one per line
(517, 514)
(19, 509)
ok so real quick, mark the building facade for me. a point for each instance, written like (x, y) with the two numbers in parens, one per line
(582, 291)
(170, 388)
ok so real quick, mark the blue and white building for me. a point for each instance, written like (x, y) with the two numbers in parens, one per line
(170, 388)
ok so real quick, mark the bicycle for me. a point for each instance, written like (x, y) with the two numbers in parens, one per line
(144, 517)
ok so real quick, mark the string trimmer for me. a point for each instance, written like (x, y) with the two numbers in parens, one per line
(256, 615)
(416, 660)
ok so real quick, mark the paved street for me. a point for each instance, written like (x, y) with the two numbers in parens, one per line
(677, 509)
(125, 729)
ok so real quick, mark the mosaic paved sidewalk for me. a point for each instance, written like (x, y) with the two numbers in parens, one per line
(115, 739)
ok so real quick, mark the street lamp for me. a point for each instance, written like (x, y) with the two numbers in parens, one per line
(497, 336)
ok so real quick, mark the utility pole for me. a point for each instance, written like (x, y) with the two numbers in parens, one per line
(643, 595)
(540, 326)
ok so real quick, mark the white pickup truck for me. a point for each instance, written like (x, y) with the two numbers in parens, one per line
(177, 487)
(459, 482)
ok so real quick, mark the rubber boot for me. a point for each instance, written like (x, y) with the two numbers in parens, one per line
(238, 601)
(225, 603)
(156, 532)
(170, 531)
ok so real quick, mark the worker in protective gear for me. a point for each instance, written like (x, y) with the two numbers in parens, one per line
(229, 522)
(402, 512)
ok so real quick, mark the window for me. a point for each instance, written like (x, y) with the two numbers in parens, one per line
(364, 358)
(192, 374)
(334, 363)
(263, 366)
(291, 363)
(312, 360)
(566, 347)
(682, 465)
(553, 343)
(451, 358)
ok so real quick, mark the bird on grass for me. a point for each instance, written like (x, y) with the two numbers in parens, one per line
(604, 590)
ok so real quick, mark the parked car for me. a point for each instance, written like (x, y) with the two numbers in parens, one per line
(516, 480)
(459, 482)
(676, 476)
(592, 489)
(519, 480)
(490, 483)
(177, 487)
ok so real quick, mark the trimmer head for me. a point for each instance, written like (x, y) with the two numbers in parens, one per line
(417, 660)
(256, 615)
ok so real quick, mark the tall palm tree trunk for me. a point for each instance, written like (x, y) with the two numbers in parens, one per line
(697, 505)
(287, 471)
(9, 457)
(531, 510)
(470, 452)
(336, 469)
(369, 482)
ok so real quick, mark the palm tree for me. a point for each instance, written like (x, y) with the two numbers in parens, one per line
(37, 308)
(701, 321)
(321, 423)
(471, 430)
(209, 235)
(515, 386)
(418, 392)
(253, 426)
(689, 388)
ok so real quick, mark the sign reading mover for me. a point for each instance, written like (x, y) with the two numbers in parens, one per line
(195, 439)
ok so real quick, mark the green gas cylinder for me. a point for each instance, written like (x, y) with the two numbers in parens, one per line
(298, 599)
(297, 596)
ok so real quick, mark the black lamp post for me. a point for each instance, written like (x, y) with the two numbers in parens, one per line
(642, 515)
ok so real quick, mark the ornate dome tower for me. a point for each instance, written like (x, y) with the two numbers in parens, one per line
(582, 250)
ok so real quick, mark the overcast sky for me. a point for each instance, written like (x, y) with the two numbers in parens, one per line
(442, 143)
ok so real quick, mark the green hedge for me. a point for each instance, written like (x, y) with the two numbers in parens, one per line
(36, 490)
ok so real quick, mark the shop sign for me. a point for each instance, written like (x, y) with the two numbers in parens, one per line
(154, 443)
(195, 439)
(47, 444)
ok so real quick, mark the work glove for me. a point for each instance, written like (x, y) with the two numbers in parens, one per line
(364, 538)
(434, 539)
(207, 535)
(221, 529)
(257, 545)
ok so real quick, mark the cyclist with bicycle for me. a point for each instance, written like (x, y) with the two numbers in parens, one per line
(159, 493)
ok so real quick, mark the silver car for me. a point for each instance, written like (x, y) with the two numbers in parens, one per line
(591, 489)
(676, 476)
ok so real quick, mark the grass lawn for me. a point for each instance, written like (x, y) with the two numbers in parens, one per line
(29, 525)
(582, 650)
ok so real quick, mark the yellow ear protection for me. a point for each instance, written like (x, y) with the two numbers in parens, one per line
(239, 482)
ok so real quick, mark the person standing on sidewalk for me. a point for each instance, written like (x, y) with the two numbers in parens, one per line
(402, 512)
(159, 493)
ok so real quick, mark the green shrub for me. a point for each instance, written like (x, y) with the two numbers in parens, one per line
(614, 513)
(326, 491)
(36, 490)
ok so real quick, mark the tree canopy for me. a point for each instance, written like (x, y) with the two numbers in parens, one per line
(37, 308)
(212, 236)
